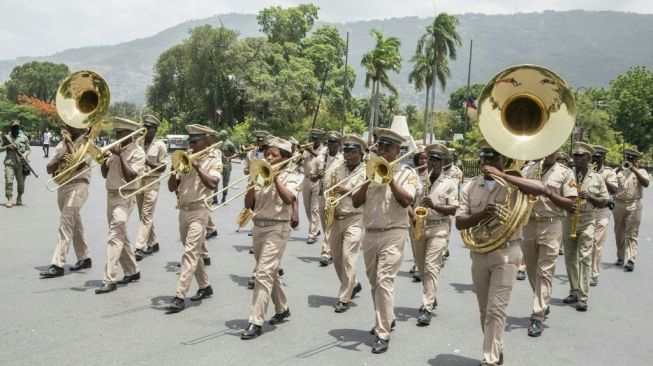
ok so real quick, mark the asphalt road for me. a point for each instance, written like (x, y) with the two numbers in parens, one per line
(61, 321)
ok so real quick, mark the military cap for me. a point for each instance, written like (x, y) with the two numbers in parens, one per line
(125, 124)
(293, 140)
(600, 150)
(389, 137)
(563, 156)
(632, 153)
(334, 137)
(196, 131)
(316, 133)
(437, 151)
(280, 144)
(486, 150)
(579, 148)
(151, 121)
(261, 135)
(353, 141)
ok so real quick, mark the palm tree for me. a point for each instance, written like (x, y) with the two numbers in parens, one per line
(377, 62)
(437, 44)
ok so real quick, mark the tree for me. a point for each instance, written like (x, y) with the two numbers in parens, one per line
(458, 102)
(632, 105)
(287, 25)
(437, 44)
(383, 58)
(127, 110)
(36, 79)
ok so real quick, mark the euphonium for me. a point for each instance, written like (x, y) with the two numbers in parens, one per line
(525, 112)
(330, 198)
(420, 211)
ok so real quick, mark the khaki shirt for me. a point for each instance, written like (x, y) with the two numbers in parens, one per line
(157, 153)
(268, 204)
(60, 150)
(628, 187)
(191, 188)
(453, 172)
(318, 165)
(381, 207)
(135, 157)
(346, 205)
(476, 195)
(308, 159)
(593, 184)
(251, 156)
(443, 191)
(559, 179)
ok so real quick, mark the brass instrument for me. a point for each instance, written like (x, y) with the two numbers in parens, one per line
(180, 162)
(303, 147)
(525, 112)
(244, 149)
(575, 217)
(82, 101)
(420, 211)
(626, 165)
(328, 206)
(98, 154)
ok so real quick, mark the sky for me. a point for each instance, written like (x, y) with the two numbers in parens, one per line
(44, 27)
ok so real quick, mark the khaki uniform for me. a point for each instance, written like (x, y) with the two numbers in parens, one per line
(453, 172)
(118, 211)
(193, 217)
(628, 213)
(310, 191)
(602, 220)
(270, 236)
(411, 230)
(157, 153)
(386, 228)
(325, 163)
(543, 233)
(493, 273)
(345, 233)
(430, 248)
(70, 199)
(14, 165)
(578, 251)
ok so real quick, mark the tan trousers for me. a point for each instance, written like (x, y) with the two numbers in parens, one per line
(326, 248)
(383, 253)
(192, 226)
(578, 256)
(540, 245)
(601, 222)
(493, 275)
(627, 217)
(269, 245)
(345, 241)
(118, 248)
(411, 231)
(429, 256)
(210, 226)
(311, 205)
(70, 199)
(146, 203)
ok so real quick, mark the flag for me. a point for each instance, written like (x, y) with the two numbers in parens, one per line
(470, 103)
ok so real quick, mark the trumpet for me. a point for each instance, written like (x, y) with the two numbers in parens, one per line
(303, 147)
(98, 154)
(180, 162)
(244, 149)
(626, 165)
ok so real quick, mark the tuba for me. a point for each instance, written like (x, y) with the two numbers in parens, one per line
(525, 112)
(82, 101)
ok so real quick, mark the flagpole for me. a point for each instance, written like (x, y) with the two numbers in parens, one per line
(469, 74)
(344, 89)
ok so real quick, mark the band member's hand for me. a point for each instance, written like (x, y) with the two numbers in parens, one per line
(294, 221)
(492, 209)
(195, 163)
(427, 202)
(320, 175)
(583, 194)
(116, 150)
(11, 147)
(338, 190)
(65, 135)
(490, 170)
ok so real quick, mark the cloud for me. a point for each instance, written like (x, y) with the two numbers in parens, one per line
(43, 27)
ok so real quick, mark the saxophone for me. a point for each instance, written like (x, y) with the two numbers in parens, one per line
(330, 198)
(573, 230)
(420, 211)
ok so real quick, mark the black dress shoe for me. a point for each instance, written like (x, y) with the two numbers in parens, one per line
(547, 311)
(424, 317)
(581, 306)
(619, 262)
(630, 266)
(380, 345)
(176, 305)
(535, 329)
(358, 288)
(417, 277)
(594, 281)
(155, 247)
(139, 254)
(211, 234)
(251, 250)
(324, 261)
(251, 282)
(207, 261)
(521, 275)
(278, 318)
(127, 279)
(280, 272)
(392, 327)
(147, 250)
(446, 254)
(341, 307)
(106, 287)
(202, 293)
(571, 299)
(53, 271)
(413, 270)
(83, 264)
(251, 332)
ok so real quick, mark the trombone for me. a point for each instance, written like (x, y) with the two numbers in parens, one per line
(96, 153)
(180, 162)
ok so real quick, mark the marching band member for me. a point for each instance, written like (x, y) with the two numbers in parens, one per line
(310, 189)
(344, 234)
(192, 189)
(602, 215)
(124, 165)
(386, 222)
(273, 217)
(420, 162)
(441, 202)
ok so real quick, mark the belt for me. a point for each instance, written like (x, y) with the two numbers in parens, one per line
(627, 200)
(192, 206)
(115, 193)
(266, 223)
(382, 229)
(510, 244)
(436, 222)
(545, 218)
(79, 180)
(345, 216)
